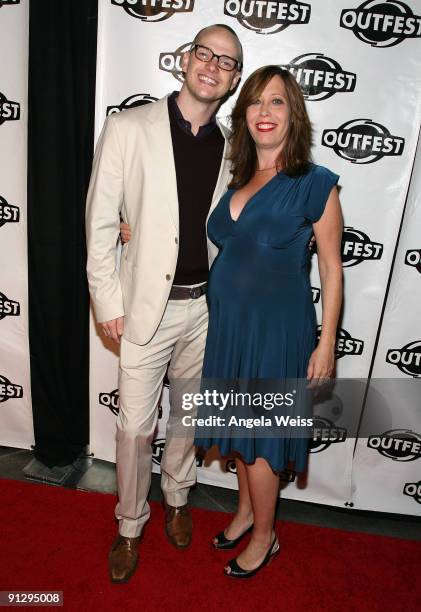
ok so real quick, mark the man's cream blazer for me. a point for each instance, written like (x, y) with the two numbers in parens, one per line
(133, 173)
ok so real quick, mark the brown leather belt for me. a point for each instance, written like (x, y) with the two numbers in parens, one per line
(187, 293)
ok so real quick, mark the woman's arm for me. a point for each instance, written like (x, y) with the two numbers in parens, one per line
(328, 232)
(125, 232)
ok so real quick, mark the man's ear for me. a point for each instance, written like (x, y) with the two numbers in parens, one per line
(235, 80)
(185, 60)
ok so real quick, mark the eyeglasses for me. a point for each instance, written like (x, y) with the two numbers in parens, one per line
(206, 55)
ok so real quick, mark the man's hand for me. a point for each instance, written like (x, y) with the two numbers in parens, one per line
(312, 241)
(114, 328)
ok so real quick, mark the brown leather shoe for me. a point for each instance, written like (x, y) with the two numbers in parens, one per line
(178, 525)
(123, 558)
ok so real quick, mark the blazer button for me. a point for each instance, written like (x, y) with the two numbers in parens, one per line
(168, 276)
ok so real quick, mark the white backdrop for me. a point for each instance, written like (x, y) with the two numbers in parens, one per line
(386, 470)
(359, 70)
(16, 427)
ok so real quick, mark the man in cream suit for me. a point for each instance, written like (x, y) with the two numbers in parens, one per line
(163, 167)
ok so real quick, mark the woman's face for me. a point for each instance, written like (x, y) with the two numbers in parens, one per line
(268, 116)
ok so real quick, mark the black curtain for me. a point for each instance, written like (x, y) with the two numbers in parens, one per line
(62, 64)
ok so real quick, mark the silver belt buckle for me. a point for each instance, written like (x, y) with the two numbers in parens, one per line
(195, 292)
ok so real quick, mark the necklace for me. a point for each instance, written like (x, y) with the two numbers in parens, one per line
(263, 169)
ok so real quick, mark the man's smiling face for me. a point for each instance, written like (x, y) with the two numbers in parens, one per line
(205, 81)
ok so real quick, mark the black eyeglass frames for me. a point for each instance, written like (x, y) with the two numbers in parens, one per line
(204, 54)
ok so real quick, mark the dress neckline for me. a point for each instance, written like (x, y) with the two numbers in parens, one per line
(234, 221)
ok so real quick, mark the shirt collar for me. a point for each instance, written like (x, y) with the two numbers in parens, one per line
(175, 111)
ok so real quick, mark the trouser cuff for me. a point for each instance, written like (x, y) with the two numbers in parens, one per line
(178, 498)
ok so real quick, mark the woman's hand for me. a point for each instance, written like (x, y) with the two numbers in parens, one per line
(125, 232)
(321, 364)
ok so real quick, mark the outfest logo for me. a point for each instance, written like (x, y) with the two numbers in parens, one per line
(382, 23)
(357, 247)
(268, 16)
(230, 466)
(131, 102)
(413, 489)
(8, 308)
(170, 61)
(362, 141)
(9, 111)
(111, 401)
(407, 359)
(397, 444)
(158, 446)
(316, 294)
(9, 390)
(325, 433)
(345, 343)
(154, 10)
(320, 77)
(8, 2)
(8, 212)
(412, 258)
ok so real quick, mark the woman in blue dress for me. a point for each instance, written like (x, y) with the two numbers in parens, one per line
(262, 322)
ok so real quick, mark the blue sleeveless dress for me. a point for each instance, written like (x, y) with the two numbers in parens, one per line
(262, 321)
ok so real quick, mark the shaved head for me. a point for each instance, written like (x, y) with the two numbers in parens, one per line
(227, 29)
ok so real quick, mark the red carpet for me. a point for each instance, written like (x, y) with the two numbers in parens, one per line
(58, 539)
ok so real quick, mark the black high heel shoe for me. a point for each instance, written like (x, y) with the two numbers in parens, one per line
(224, 543)
(239, 572)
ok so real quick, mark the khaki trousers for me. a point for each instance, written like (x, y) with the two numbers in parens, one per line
(179, 341)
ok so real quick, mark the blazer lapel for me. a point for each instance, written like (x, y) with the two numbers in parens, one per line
(161, 149)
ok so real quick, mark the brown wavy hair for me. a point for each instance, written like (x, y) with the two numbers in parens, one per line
(295, 156)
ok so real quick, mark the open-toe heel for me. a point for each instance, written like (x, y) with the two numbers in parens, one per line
(235, 571)
(223, 543)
